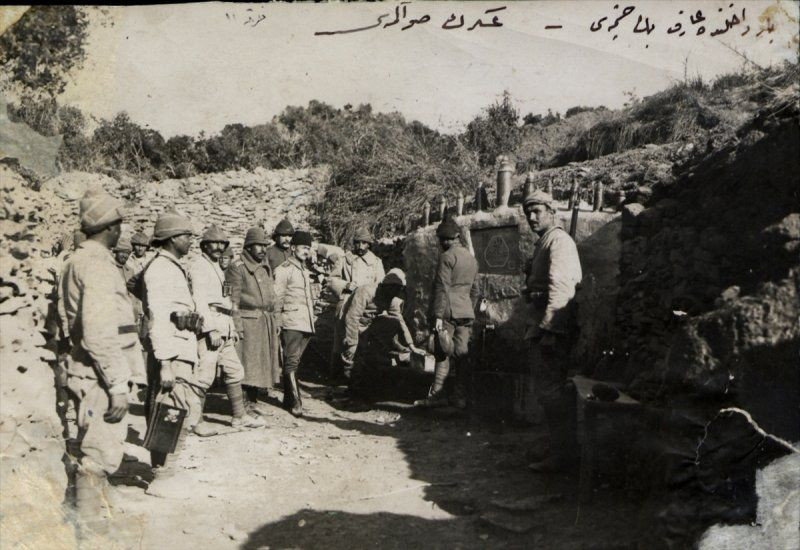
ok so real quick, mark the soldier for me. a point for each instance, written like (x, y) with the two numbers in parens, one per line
(387, 333)
(280, 251)
(226, 258)
(122, 252)
(551, 278)
(141, 245)
(354, 269)
(218, 346)
(295, 304)
(253, 299)
(105, 350)
(172, 367)
(455, 296)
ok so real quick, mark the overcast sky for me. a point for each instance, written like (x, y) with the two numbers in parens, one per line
(192, 67)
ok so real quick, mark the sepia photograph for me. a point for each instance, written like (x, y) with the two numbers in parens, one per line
(400, 275)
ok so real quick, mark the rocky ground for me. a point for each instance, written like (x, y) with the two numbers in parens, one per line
(388, 477)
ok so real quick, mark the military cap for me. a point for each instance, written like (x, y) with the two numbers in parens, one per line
(448, 229)
(284, 227)
(301, 238)
(228, 253)
(363, 234)
(255, 235)
(123, 245)
(171, 224)
(214, 234)
(140, 238)
(539, 197)
(98, 210)
(395, 276)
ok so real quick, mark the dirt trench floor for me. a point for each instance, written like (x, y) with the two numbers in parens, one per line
(384, 476)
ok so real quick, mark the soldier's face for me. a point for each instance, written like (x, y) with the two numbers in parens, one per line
(540, 218)
(182, 244)
(214, 249)
(301, 252)
(224, 262)
(283, 241)
(258, 251)
(360, 247)
(122, 256)
(447, 244)
(139, 250)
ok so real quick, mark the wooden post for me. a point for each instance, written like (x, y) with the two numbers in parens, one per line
(598, 197)
(460, 204)
(549, 187)
(573, 194)
(426, 214)
(573, 224)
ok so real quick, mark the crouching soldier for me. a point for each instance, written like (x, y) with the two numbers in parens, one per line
(551, 278)
(384, 338)
(172, 369)
(98, 315)
(455, 296)
(295, 304)
(217, 346)
(253, 301)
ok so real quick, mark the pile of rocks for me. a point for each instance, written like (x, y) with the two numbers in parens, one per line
(31, 443)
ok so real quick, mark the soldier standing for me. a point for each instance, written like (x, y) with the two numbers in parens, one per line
(280, 250)
(356, 268)
(253, 301)
(226, 258)
(218, 346)
(295, 304)
(98, 316)
(122, 252)
(455, 296)
(551, 278)
(140, 243)
(172, 362)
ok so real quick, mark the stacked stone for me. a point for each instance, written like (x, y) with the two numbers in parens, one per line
(30, 430)
(234, 200)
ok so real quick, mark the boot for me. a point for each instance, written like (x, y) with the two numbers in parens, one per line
(436, 394)
(294, 404)
(93, 508)
(203, 428)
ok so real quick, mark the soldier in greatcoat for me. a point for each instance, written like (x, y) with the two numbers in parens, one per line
(253, 301)
(280, 250)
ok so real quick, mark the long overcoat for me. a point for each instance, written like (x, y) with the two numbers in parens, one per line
(253, 298)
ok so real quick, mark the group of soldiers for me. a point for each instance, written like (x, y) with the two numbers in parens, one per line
(135, 318)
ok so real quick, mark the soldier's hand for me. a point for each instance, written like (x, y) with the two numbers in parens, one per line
(438, 325)
(350, 287)
(167, 376)
(117, 408)
(214, 339)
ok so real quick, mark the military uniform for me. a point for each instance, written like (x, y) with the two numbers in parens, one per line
(105, 350)
(551, 278)
(167, 292)
(253, 302)
(214, 305)
(359, 270)
(276, 256)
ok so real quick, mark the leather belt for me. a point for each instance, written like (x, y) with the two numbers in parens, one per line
(268, 309)
(223, 310)
(128, 329)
